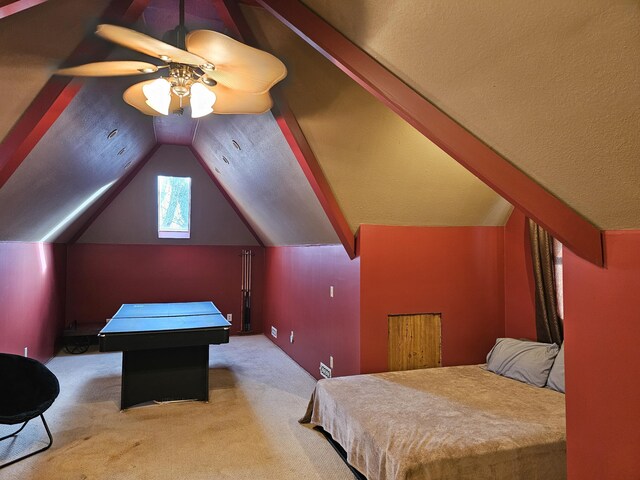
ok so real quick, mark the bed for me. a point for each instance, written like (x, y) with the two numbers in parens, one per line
(450, 423)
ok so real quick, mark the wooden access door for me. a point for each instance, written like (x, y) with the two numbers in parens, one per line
(414, 341)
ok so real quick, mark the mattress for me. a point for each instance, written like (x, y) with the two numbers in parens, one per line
(450, 423)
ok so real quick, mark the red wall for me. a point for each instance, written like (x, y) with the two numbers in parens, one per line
(297, 298)
(101, 277)
(602, 335)
(457, 271)
(32, 282)
(519, 300)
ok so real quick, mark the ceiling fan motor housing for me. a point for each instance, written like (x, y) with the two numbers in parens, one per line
(181, 77)
(176, 37)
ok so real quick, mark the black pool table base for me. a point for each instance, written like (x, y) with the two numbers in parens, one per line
(165, 374)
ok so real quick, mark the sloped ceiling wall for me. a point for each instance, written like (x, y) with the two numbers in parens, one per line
(33, 43)
(381, 170)
(73, 162)
(74, 167)
(553, 86)
(263, 178)
(131, 218)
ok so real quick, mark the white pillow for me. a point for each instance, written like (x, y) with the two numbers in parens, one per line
(556, 377)
(522, 360)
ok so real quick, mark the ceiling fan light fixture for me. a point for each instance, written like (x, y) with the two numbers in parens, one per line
(202, 65)
(158, 94)
(202, 100)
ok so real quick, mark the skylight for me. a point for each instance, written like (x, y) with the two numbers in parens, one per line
(174, 207)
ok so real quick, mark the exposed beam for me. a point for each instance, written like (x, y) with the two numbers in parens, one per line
(58, 93)
(225, 194)
(45, 109)
(230, 13)
(115, 191)
(575, 232)
(10, 7)
(312, 170)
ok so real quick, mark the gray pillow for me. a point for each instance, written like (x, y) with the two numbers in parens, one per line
(556, 377)
(528, 362)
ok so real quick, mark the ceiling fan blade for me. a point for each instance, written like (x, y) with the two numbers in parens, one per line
(230, 101)
(237, 65)
(135, 97)
(109, 69)
(148, 45)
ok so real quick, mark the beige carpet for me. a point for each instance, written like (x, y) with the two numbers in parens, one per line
(248, 430)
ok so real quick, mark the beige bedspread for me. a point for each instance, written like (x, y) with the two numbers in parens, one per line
(449, 423)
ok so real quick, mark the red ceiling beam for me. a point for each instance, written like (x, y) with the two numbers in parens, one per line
(231, 16)
(225, 194)
(115, 191)
(235, 21)
(58, 93)
(8, 8)
(576, 233)
(45, 109)
(312, 170)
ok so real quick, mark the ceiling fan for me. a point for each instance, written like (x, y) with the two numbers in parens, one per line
(209, 71)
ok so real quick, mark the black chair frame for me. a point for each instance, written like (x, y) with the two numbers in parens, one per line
(46, 427)
(27, 390)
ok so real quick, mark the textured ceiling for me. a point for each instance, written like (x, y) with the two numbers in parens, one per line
(33, 44)
(73, 161)
(161, 16)
(553, 86)
(131, 218)
(381, 169)
(263, 178)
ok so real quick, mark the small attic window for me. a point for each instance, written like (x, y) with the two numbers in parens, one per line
(174, 207)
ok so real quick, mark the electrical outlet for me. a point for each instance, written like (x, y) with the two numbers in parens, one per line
(331, 291)
(331, 362)
(325, 371)
(291, 337)
(26, 351)
(274, 332)
(229, 318)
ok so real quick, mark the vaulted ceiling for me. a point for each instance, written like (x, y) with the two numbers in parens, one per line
(552, 87)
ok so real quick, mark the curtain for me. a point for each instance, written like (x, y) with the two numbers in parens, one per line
(548, 322)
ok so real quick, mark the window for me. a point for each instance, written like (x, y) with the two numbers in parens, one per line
(174, 207)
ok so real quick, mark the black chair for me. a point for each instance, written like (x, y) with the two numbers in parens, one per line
(27, 389)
